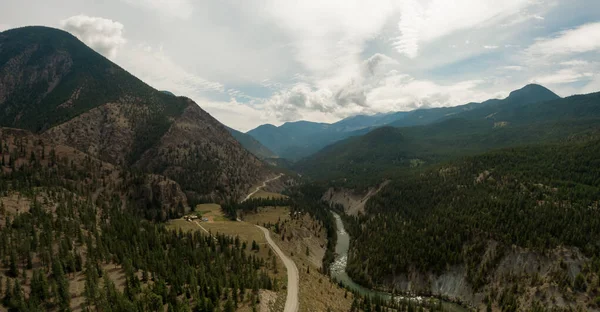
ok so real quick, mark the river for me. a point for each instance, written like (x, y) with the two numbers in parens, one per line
(338, 270)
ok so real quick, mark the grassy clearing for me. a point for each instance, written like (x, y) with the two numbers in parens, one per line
(265, 194)
(212, 212)
(180, 224)
(268, 215)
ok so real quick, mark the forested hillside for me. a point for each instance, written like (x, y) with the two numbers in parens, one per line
(54, 85)
(476, 211)
(74, 227)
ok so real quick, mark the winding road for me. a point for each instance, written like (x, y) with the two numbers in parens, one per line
(258, 188)
(291, 302)
(293, 279)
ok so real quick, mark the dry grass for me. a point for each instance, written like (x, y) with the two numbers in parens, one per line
(268, 215)
(180, 224)
(317, 292)
(212, 212)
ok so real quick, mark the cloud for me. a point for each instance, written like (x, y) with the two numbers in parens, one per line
(175, 8)
(377, 61)
(160, 71)
(563, 76)
(399, 92)
(513, 67)
(4, 27)
(574, 63)
(584, 38)
(379, 88)
(522, 18)
(103, 35)
(490, 47)
(422, 22)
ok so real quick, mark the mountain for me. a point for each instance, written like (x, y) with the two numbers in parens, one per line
(529, 94)
(252, 145)
(295, 140)
(516, 120)
(55, 86)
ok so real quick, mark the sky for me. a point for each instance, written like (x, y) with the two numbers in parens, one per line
(253, 62)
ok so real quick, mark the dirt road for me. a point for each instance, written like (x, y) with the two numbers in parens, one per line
(198, 224)
(258, 188)
(291, 302)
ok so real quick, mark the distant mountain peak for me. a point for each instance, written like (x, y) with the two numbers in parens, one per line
(533, 93)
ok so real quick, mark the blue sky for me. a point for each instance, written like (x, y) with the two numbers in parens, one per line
(272, 61)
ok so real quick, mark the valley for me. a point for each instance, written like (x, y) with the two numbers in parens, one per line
(115, 196)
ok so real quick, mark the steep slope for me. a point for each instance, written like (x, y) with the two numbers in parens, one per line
(252, 145)
(53, 84)
(198, 152)
(24, 154)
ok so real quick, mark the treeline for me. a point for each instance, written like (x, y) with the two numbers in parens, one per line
(233, 209)
(536, 197)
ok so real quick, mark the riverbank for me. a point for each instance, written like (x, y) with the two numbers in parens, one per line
(338, 273)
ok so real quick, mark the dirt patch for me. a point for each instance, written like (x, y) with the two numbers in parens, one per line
(353, 203)
(267, 300)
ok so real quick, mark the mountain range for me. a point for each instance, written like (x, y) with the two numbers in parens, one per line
(296, 140)
(530, 115)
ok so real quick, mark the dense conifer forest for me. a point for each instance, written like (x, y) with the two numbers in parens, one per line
(77, 221)
(538, 198)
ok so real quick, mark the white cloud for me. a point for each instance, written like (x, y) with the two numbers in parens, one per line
(513, 67)
(592, 86)
(374, 63)
(398, 92)
(103, 35)
(377, 89)
(176, 8)
(584, 38)
(423, 22)
(327, 37)
(563, 76)
(522, 18)
(236, 115)
(490, 47)
(574, 63)
(160, 71)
